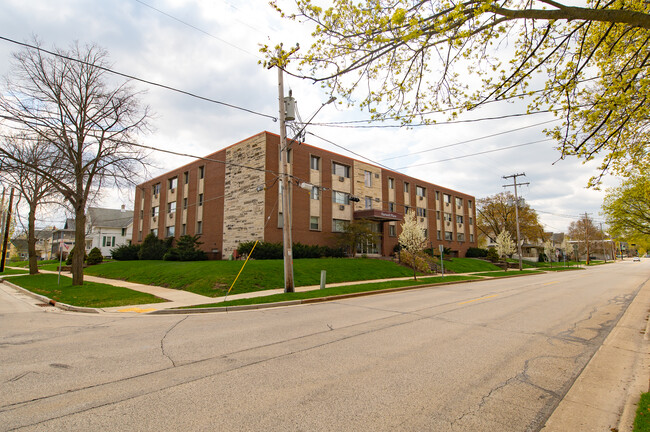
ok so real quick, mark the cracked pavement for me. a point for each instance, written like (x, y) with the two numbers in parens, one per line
(496, 355)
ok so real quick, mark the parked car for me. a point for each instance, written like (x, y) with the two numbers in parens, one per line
(636, 259)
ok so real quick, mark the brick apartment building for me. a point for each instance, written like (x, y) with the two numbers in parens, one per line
(233, 195)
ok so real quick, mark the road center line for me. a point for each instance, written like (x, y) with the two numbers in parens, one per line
(551, 283)
(477, 299)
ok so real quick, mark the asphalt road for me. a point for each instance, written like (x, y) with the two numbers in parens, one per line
(494, 355)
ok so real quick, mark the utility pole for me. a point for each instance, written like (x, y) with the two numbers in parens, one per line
(587, 236)
(286, 193)
(515, 184)
(5, 240)
(602, 237)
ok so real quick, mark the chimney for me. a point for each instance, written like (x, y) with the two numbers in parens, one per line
(123, 208)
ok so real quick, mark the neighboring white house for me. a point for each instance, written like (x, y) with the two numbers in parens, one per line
(108, 228)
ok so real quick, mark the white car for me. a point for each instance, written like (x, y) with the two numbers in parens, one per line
(636, 259)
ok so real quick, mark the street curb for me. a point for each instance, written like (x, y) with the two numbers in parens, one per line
(63, 306)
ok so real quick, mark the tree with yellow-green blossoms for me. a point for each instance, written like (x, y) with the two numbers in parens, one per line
(405, 59)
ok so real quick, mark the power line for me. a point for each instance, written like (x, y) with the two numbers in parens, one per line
(476, 154)
(350, 151)
(472, 140)
(196, 28)
(134, 78)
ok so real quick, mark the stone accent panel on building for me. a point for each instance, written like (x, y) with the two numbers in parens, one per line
(243, 203)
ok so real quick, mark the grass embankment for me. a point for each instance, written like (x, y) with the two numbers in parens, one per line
(9, 271)
(25, 264)
(213, 278)
(512, 272)
(642, 420)
(468, 265)
(327, 292)
(90, 294)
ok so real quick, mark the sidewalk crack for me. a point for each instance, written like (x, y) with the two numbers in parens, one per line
(162, 341)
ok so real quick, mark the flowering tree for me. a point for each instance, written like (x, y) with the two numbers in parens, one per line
(412, 237)
(549, 250)
(505, 245)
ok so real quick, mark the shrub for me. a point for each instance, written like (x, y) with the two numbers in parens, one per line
(95, 256)
(153, 248)
(492, 255)
(186, 250)
(475, 252)
(125, 252)
(265, 250)
(68, 261)
(418, 261)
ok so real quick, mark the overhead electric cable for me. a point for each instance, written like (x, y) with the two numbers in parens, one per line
(134, 78)
(350, 151)
(472, 140)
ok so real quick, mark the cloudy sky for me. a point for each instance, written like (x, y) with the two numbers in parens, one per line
(210, 48)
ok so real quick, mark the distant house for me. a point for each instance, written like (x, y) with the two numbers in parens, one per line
(108, 228)
(18, 248)
(105, 229)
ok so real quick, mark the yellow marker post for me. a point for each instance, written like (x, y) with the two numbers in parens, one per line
(241, 270)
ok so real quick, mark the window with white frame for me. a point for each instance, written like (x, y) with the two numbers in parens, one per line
(315, 193)
(438, 235)
(449, 236)
(339, 225)
(199, 227)
(172, 183)
(340, 197)
(391, 207)
(169, 232)
(447, 217)
(367, 178)
(406, 187)
(171, 207)
(156, 189)
(340, 170)
(459, 219)
(391, 183)
(459, 202)
(421, 212)
(314, 162)
(314, 223)
(420, 191)
(368, 202)
(154, 211)
(446, 198)
(460, 237)
(392, 230)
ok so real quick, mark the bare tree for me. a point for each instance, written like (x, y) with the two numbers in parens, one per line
(66, 100)
(35, 188)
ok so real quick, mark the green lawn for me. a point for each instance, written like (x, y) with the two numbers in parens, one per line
(642, 420)
(468, 265)
(88, 295)
(9, 271)
(25, 264)
(349, 289)
(213, 278)
(512, 272)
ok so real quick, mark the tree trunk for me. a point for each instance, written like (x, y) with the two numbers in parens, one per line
(31, 240)
(414, 276)
(80, 246)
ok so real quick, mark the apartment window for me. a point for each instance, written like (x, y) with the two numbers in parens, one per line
(437, 195)
(186, 177)
(200, 199)
(420, 191)
(184, 203)
(406, 209)
(438, 235)
(367, 178)
(340, 170)
(199, 227)
(392, 230)
(368, 202)
(447, 217)
(315, 193)
(471, 221)
(438, 215)
(469, 204)
(314, 162)
(449, 236)
(339, 225)
(156, 189)
(183, 229)
(169, 232)
(471, 238)
(154, 211)
(154, 231)
(406, 187)
(201, 172)
(141, 214)
(340, 198)
(314, 223)
(459, 202)
(459, 219)
(421, 212)
(391, 207)
(391, 183)
(171, 207)
(139, 235)
(460, 237)
(173, 182)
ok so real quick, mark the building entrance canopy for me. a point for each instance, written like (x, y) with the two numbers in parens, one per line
(377, 215)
